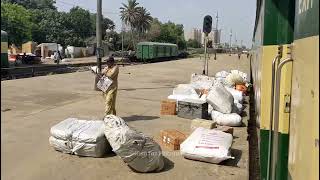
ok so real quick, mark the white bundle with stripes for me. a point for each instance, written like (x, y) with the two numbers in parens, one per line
(207, 145)
(138, 151)
(80, 137)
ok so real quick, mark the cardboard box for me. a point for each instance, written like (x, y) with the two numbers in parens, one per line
(172, 138)
(168, 107)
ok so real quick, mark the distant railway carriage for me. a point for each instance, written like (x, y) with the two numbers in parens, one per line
(148, 51)
(285, 72)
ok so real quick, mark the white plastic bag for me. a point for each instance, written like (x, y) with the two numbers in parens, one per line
(80, 137)
(242, 74)
(222, 74)
(183, 91)
(220, 99)
(233, 79)
(237, 95)
(207, 145)
(104, 83)
(237, 108)
(201, 81)
(97, 149)
(232, 119)
(140, 152)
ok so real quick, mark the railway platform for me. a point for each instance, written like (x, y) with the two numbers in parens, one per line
(31, 106)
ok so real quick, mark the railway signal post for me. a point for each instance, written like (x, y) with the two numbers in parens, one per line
(207, 27)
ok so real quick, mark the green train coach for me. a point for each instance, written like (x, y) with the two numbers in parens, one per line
(4, 50)
(148, 51)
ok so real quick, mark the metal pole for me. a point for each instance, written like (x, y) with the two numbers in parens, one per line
(99, 40)
(274, 64)
(205, 55)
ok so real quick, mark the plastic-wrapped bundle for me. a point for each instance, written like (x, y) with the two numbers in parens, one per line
(233, 79)
(184, 91)
(232, 119)
(141, 153)
(220, 99)
(222, 74)
(207, 145)
(201, 81)
(80, 137)
(237, 107)
(242, 74)
(237, 95)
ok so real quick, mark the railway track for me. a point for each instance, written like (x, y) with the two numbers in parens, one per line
(43, 70)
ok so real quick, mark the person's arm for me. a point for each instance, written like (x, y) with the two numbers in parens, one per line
(113, 73)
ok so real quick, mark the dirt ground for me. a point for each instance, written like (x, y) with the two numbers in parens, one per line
(31, 106)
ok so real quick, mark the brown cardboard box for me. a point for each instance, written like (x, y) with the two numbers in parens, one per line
(172, 138)
(168, 107)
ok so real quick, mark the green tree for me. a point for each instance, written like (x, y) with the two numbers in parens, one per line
(51, 27)
(16, 20)
(33, 4)
(193, 43)
(169, 33)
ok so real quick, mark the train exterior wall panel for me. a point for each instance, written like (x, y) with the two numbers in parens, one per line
(303, 162)
(274, 26)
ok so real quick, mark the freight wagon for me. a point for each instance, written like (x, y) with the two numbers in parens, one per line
(151, 51)
(285, 70)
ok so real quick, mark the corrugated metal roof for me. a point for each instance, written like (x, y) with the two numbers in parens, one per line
(156, 43)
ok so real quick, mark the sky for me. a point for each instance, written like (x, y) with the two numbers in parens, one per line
(238, 15)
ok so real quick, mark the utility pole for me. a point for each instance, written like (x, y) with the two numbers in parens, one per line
(230, 41)
(217, 37)
(99, 41)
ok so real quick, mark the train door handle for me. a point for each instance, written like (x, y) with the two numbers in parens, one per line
(275, 62)
(274, 157)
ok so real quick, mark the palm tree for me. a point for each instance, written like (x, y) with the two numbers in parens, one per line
(138, 18)
(144, 20)
(129, 14)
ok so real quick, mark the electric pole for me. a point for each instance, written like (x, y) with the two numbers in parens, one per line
(99, 51)
(230, 41)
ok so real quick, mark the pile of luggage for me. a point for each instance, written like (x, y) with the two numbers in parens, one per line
(218, 99)
(96, 138)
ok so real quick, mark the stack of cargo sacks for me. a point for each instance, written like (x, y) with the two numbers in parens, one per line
(80, 137)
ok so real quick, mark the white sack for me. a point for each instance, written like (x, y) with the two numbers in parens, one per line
(237, 108)
(97, 149)
(80, 137)
(232, 119)
(220, 99)
(182, 97)
(201, 81)
(207, 145)
(233, 79)
(237, 95)
(222, 74)
(141, 153)
(242, 74)
(73, 129)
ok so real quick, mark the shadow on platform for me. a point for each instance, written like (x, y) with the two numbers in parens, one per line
(139, 118)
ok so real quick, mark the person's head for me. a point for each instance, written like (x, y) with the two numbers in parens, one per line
(110, 61)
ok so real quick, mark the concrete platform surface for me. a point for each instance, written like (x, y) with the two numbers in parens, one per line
(31, 106)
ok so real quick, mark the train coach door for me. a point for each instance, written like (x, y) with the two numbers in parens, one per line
(145, 52)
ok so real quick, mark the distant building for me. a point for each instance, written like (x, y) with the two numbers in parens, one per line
(194, 34)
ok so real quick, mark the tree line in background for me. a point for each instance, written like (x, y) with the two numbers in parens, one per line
(40, 21)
